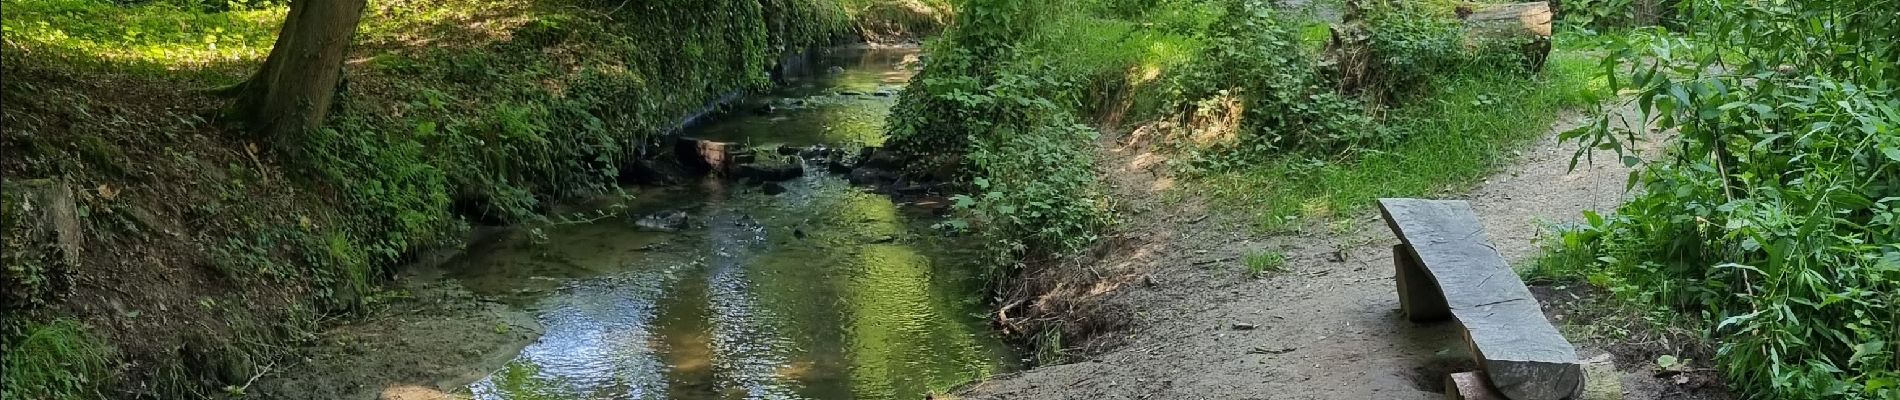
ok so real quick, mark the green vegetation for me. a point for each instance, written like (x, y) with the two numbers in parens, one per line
(1475, 118)
(452, 112)
(1252, 60)
(1006, 93)
(1442, 100)
(1770, 221)
(1613, 15)
(55, 360)
(1260, 263)
(1246, 101)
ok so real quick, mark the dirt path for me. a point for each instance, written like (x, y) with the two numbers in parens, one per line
(1327, 328)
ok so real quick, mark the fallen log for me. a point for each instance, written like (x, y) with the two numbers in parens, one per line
(1523, 27)
(1526, 24)
(1470, 386)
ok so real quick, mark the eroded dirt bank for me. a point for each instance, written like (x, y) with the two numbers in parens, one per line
(429, 344)
(1326, 328)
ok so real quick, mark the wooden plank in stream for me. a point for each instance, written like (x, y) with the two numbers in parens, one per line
(1521, 353)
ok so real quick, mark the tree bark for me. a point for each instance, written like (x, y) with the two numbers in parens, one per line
(293, 90)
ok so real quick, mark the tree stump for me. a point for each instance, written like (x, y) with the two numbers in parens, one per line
(42, 238)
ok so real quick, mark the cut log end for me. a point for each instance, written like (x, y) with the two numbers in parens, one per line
(1470, 386)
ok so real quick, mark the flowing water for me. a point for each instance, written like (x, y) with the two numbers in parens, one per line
(824, 291)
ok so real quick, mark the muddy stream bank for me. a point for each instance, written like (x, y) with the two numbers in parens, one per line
(809, 288)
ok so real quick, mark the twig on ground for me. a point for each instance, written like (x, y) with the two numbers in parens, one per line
(260, 374)
(1217, 260)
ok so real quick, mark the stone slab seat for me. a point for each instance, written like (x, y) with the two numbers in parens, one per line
(1448, 268)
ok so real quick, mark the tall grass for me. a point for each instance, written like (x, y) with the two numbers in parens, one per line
(55, 360)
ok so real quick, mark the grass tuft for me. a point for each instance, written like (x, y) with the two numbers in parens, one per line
(55, 360)
(1262, 262)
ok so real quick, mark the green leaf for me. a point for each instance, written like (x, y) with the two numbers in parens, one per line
(1869, 349)
(962, 201)
(1667, 362)
(1876, 384)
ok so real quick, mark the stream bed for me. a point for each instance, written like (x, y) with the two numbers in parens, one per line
(824, 291)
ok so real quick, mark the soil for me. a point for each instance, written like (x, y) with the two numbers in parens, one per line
(1193, 325)
(430, 345)
(162, 190)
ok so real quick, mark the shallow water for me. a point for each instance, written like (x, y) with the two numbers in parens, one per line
(822, 292)
(831, 108)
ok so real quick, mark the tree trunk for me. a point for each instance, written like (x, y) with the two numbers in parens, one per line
(292, 92)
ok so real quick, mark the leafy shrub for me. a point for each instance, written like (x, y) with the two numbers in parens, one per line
(399, 200)
(1254, 53)
(999, 102)
(1414, 46)
(1611, 14)
(1775, 213)
(1038, 187)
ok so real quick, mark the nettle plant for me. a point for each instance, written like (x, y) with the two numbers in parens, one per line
(1254, 53)
(1776, 213)
(994, 106)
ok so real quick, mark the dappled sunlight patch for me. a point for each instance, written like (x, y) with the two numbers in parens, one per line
(421, 24)
(1316, 208)
(159, 35)
(1215, 122)
(899, 20)
(416, 392)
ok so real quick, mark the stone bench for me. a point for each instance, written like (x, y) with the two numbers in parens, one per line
(1448, 269)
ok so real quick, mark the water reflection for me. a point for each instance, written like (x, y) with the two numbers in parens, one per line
(822, 292)
(845, 107)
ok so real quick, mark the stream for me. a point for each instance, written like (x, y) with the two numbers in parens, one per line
(824, 291)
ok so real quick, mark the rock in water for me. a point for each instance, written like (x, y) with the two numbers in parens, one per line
(880, 158)
(871, 176)
(664, 221)
(702, 156)
(770, 172)
(773, 188)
